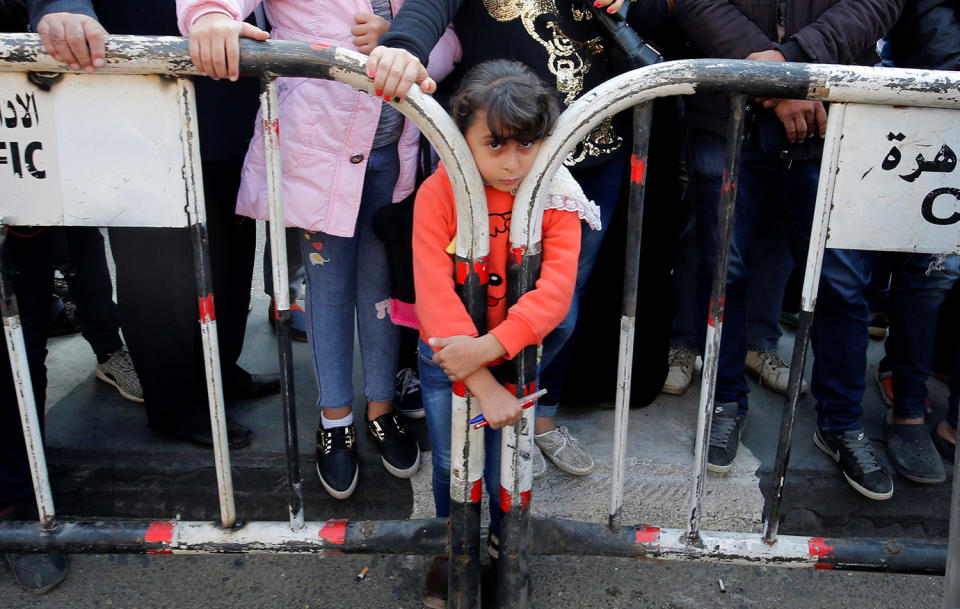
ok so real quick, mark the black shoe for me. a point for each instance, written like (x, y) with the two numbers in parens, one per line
(38, 573)
(238, 436)
(912, 453)
(337, 460)
(436, 582)
(408, 400)
(398, 449)
(852, 451)
(725, 431)
(258, 386)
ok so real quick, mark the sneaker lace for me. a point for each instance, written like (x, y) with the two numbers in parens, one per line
(408, 381)
(859, 448)
(678, 357)
(720, 430)
(775, 361)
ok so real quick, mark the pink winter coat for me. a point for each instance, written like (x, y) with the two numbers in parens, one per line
(326, 127)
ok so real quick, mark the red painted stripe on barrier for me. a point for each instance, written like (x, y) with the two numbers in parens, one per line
(463, 270)
(648, 535)
(316, 46)
(517, 254)
(273, 126)
(638, 169)
(822, 550)
(525, 499)
(476, 492)
(334, 531)
(207, 313)
(482, 270)
(460, 389)
(159, 532)
(723, 304)
(505, 500)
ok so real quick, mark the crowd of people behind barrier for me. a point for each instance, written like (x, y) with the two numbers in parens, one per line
(349, 157)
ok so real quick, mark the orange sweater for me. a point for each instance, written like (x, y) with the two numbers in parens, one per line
(439, 309)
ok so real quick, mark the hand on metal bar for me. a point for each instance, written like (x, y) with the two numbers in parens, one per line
(525, 402)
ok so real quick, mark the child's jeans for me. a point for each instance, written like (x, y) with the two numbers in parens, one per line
(347, 280)
(436, 390)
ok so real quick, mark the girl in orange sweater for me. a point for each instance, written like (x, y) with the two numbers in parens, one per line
(504, 111)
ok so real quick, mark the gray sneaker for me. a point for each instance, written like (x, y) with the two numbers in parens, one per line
(771, 370)
(118, 371)
(565, 451)
(679, 371)
(539, 464)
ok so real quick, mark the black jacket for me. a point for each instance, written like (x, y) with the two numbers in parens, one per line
(928, 35)
(225, 111)
(816, 31)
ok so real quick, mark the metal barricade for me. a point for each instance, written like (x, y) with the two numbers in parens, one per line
(522, 535)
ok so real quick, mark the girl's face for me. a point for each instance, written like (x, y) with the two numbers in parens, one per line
(502, 164)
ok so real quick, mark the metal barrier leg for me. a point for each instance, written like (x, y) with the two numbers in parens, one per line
(728, 196)
(516, 464)
(281, 296)
(32, 434)
(466, 491)
(642, 114)
(811, 282)
(208, 318)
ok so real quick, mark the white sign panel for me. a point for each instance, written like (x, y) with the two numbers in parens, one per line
(897, 185)
(102, 150)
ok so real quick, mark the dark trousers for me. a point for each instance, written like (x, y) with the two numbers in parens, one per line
(156, 289)
(88, 277)
(30, 268)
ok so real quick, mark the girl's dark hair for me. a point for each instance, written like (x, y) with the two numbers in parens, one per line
(518, 104)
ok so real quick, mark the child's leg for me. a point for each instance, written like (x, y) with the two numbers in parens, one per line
(435, 389)
(379, 337)
(330, 264)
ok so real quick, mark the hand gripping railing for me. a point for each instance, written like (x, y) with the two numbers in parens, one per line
(549, 536)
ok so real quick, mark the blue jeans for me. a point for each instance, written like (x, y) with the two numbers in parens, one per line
(436, 390)
(921, 282)
(601, 185)
(347, 280)
(770, 265)
(839, 333)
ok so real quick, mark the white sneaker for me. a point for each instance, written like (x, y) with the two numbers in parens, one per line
(564, 451)
(539, 463)
(770, 370)
(680, 373)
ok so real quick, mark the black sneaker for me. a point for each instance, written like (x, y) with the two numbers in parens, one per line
(851, 450)
(337, 460)
(398, 449)
(725, 431)
(407, 400)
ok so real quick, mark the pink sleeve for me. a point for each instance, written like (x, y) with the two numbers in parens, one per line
(444, 55)
(189, 11)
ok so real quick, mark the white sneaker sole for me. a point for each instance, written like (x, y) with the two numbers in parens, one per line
(334, 492)
(106, 379)
(860, 489)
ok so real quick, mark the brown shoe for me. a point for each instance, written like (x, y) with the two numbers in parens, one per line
(435, 584)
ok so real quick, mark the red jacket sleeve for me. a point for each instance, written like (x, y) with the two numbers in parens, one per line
(439, 309)
(542, 309)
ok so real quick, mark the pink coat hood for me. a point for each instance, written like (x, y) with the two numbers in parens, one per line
(326, 127)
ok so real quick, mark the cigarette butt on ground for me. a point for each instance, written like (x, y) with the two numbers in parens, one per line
(362, 575)
(722, 587)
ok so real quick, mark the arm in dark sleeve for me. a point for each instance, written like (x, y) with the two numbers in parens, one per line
(419, 24)
(927, 36)
(648, 17)
(719, 29)
(39, 8)
(844, 32)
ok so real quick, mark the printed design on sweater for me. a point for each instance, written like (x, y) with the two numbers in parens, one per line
(568, 59)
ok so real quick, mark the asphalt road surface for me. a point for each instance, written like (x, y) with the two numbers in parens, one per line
(327, 582)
